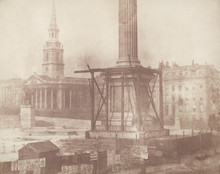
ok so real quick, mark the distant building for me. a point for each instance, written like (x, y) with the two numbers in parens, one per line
(190, 93)
(10, 93)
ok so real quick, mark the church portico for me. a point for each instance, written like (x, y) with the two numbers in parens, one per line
(52, 96)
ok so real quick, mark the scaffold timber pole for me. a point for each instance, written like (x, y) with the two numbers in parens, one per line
(92, 101)
(107, 93)
(122, 101)
(161, 97)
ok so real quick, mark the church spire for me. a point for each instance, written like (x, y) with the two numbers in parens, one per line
(53, 28)
(53, 23)
(53, 65)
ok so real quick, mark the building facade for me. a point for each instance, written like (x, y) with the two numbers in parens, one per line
(190, 94)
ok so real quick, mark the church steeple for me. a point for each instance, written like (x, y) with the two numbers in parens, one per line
(53, 23)
(53, 50)
(53, 28)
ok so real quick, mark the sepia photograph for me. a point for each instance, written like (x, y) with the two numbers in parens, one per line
(110, 87)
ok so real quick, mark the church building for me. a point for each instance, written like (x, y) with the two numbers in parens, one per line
(53, 94)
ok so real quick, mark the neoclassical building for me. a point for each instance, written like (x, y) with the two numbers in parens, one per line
(53, 94)
(191, 93)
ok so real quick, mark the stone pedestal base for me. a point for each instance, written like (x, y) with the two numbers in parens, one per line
(27, 117)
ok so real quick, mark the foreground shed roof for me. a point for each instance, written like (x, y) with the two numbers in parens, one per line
(40, 147)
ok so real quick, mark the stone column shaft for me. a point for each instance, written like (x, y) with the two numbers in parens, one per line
(128, 45)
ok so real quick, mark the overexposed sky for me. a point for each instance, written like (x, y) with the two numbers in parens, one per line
(170, 30)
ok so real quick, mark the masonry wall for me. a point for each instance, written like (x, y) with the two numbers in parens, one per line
(67, 122)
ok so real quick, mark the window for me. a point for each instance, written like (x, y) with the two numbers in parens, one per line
(166, 110)
(187, 108)
(173, 88)
(194, 108)
(46, 68)
(173, 110)
(201, 108)
(180, 100)
(173, 98)
(180, 88)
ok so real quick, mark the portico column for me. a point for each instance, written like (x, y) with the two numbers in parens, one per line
(45, 97)
(36, 98)
(64, 98)
(32, 100)
(60, 98)
(51, 98)
(41, 97)
(70, 99)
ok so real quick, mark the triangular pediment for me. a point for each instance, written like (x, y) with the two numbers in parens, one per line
(34, 80)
